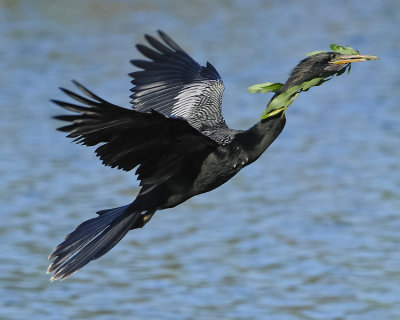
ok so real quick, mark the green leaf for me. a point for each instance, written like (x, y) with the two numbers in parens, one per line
(285, 98)
(336, 47)
(340, 49)
(266, 114)
(314, 52)
(265, 87)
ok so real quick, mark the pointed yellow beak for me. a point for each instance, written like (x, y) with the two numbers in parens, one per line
(350, 58)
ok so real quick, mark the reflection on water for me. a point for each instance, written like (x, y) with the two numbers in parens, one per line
(310, 231)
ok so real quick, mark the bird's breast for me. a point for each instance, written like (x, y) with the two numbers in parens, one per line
(220, 166)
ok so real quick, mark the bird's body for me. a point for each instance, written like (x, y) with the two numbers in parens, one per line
(175, 136)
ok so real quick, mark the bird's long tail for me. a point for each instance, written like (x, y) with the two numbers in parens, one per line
(92, 239)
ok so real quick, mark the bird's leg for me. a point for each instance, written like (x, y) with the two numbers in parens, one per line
(145, 217)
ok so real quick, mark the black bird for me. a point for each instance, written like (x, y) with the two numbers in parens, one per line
(175, 135)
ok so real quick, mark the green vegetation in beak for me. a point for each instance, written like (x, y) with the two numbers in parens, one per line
(319, 67)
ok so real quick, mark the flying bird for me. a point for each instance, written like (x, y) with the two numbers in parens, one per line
(174, 135)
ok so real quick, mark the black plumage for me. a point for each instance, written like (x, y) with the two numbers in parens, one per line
(175, 136)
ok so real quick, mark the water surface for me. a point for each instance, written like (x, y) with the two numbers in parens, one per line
(310, 231)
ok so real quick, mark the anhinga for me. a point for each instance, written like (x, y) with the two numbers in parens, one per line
(175, 135)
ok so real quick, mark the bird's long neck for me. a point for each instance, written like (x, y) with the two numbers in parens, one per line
(259, 137)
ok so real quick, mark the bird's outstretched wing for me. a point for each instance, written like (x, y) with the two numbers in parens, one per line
(156, 144)
(173, 84)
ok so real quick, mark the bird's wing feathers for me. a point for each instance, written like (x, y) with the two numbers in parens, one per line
(172, 83)
(153, 142)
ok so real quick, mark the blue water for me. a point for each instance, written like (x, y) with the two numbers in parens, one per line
(309, 231)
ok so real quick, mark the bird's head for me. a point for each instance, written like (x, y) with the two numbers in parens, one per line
(322, 65)
(317, 68)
